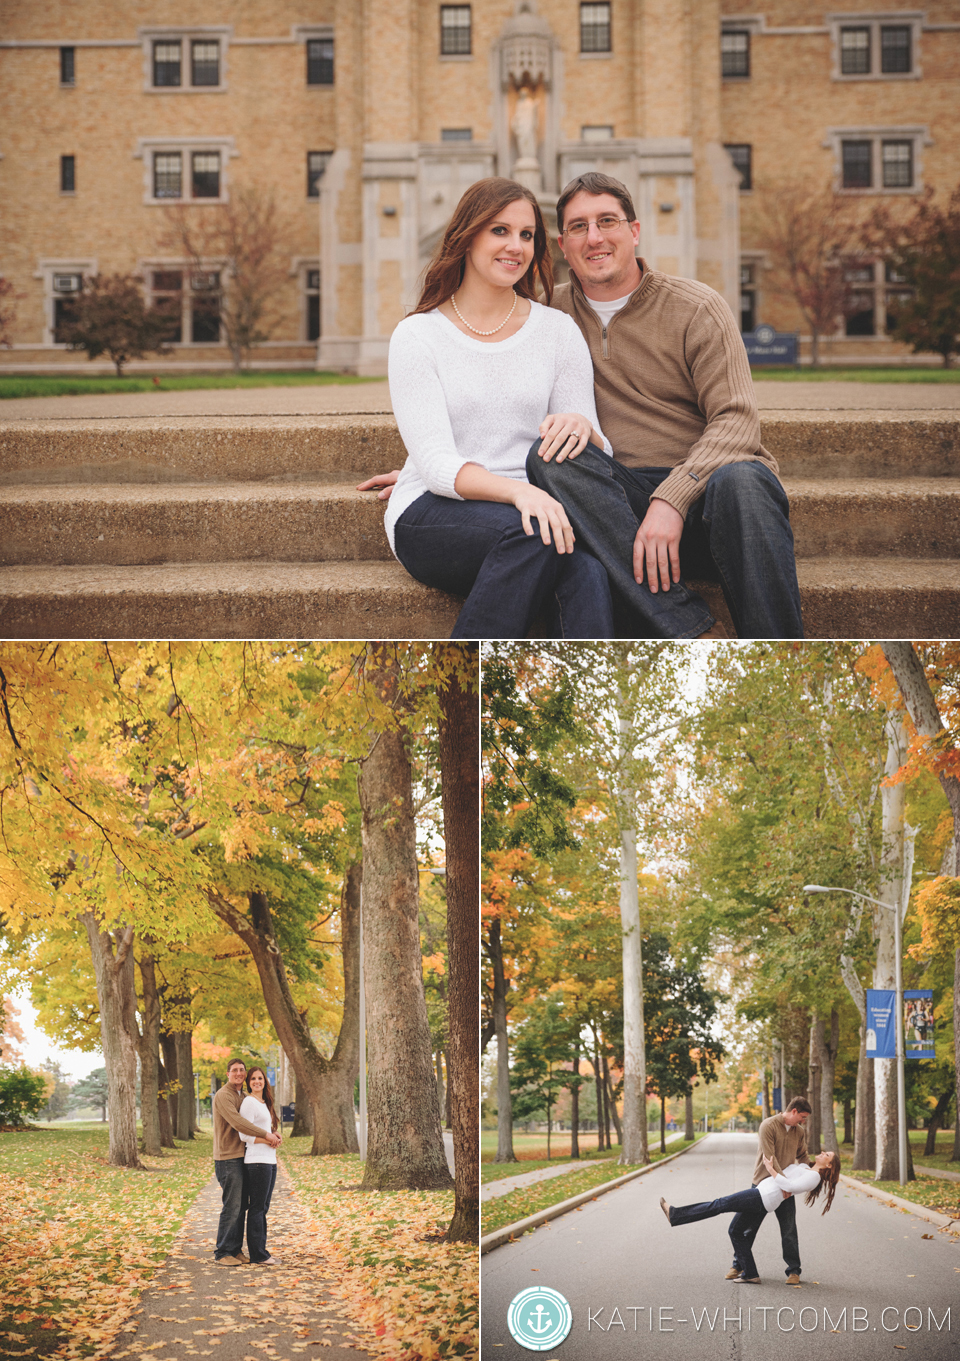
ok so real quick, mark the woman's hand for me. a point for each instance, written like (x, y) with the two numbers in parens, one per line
(554, 525)
(565, 435)
(768, 1164)
(386, 481)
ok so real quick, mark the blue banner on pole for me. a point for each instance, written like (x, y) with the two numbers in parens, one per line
(918, 1023)
(271, 1075)
(881, 1023)
(778, 1098)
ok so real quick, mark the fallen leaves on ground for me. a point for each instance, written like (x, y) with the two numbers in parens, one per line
(419, 1296)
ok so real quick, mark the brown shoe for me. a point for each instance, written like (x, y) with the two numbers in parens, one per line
(666, 1210)
(718, 631)
(793, 1278)
(733, 1274)
(228, 1261)
(243, 1258)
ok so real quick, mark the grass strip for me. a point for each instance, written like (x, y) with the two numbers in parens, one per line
(80, 1239)
(390, 1268)
(490, 1171)
(17, 385)
(942, 1157)
(510, 1209)
(879, 374)
(932, 1192)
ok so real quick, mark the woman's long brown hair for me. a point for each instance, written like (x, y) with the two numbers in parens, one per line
(480, 205)
(267, 1095)
(829, 1176)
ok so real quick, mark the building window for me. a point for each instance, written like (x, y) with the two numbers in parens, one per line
(456, 134)
(205, 309)
(167, 296)
(596, 132)
(897, 161)
(748, 298)
(68, 174)
(66, 289)
(455, 31)
(166, 64)
(206, 174)
(734, 54)
(312, 289)
(595, 28)
(741, 153)
(895, 49)
(68, 66)
(857, 158)
(861, 302)
(317, 162)
(855, 51)
(895, 295)
(204, 63)
(168, 174)
(319, 61)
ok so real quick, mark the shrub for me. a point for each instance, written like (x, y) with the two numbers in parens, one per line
(22, 1094)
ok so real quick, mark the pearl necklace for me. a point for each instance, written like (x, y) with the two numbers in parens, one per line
(453, 304)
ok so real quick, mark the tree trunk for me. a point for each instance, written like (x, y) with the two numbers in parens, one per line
(405, 1147)
(116, 997)
(634, 1149)
(575, 1105)
(302, 1114)
(148, 1046)
(441, 1086)
(186, 1103)
(164, 1113)
(813, 1084)
(893, 803)
(827, 1053)
(459, 733)
(865, 1132)
(598, 1083)
(688, 1114)
(847, 1120)
(169, 1078)
(936, 1122)
(663, 1125)
(326, 1083)
(505, 1153)
(611, 1106)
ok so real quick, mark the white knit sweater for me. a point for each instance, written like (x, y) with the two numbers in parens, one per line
(458, 400)
(796, 1178)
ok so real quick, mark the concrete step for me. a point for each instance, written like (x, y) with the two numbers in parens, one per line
(331, 521)
(842, 598)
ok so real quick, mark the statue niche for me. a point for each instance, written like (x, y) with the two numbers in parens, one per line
(525, 126)
(526, 74)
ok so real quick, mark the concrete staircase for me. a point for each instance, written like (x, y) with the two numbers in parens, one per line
(249, 526)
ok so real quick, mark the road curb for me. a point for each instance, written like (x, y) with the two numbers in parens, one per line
(509, 1231)
(921, 1211)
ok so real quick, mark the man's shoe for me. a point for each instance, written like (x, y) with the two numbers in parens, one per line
(733, 1274)
(228, 1261)
(243, 1257)
(666, 1210)
(793, 1278)
(748, 1280)
(718, 631)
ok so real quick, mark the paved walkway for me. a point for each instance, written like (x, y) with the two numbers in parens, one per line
(261, 1313)
(492, 1189)
(368, 398)
(936, 1172)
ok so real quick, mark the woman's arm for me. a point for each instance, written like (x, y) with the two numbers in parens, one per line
(420, 407)
(474, 483)
(572, 406)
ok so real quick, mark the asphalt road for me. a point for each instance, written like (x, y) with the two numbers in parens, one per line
(873, 1286)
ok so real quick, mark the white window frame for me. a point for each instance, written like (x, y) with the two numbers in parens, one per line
(302, 33)
(759, 262)
(912, 19)
(146, 268)
(918, 135)
(301, 267)
(220, 33)
(45, 270)
(148, 147)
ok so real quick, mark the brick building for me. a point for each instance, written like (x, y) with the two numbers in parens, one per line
(367, 119)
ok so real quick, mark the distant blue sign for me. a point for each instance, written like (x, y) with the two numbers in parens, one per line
(767, 346)
(272, 1076)
(778, 1098)
(918, 1023)
(881, 1023)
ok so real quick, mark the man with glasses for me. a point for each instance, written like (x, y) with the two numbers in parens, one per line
(690, 490)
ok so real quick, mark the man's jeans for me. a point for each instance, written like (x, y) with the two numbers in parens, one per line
(748, 1213)
(786, 1213)
(231, 1174)
(478, 549)
(261, 1179)
(737, 533)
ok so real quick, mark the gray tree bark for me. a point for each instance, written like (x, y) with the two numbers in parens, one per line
(148, 1047)
(116, 995)
(505, 1153)
(186, 1102)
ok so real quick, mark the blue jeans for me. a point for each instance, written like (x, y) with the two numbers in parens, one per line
(261, 1178)
(786, 1213)
(232, 1177)
(748, 1214)
(737, 533)
(510, 579)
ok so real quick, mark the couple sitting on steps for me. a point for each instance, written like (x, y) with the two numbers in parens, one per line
(574, 460)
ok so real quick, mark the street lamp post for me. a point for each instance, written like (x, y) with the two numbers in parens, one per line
(901, 1081)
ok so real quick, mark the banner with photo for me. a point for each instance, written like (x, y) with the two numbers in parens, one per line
(918, 1023)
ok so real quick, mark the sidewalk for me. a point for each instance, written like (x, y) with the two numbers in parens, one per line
(271, 1313)
(492, 1189)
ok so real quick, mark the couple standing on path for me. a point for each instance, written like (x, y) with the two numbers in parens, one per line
(245, 1141)
(783, 1168)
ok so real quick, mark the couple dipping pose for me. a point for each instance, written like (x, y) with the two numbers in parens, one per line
(245, 1140)
(570, 461)
(789, 1172)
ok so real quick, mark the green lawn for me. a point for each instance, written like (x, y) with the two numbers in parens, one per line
(877, 374)
(15, 385)
(509, 1209)
(80, 1239)
(935, 1193)
(943, 1155)
(491, 1171)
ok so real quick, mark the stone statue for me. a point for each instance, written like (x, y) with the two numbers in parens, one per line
(525, 127)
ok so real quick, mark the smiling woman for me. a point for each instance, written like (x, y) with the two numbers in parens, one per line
(478, 373)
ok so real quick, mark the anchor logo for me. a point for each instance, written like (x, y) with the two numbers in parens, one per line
(539, 1318)
(539, 1326)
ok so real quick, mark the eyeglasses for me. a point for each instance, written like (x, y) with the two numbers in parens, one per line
(604, 224)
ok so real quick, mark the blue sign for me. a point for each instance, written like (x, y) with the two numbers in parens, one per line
(272, 1076)
(881, 1023)
(918, 1023)
(778, 1098)
(767, 346)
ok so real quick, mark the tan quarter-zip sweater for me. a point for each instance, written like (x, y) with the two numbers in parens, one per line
(672, 382)
(783, 1144)
(226, 1122)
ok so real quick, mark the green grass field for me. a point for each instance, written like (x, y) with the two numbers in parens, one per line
(16, 385)
(877, 374)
